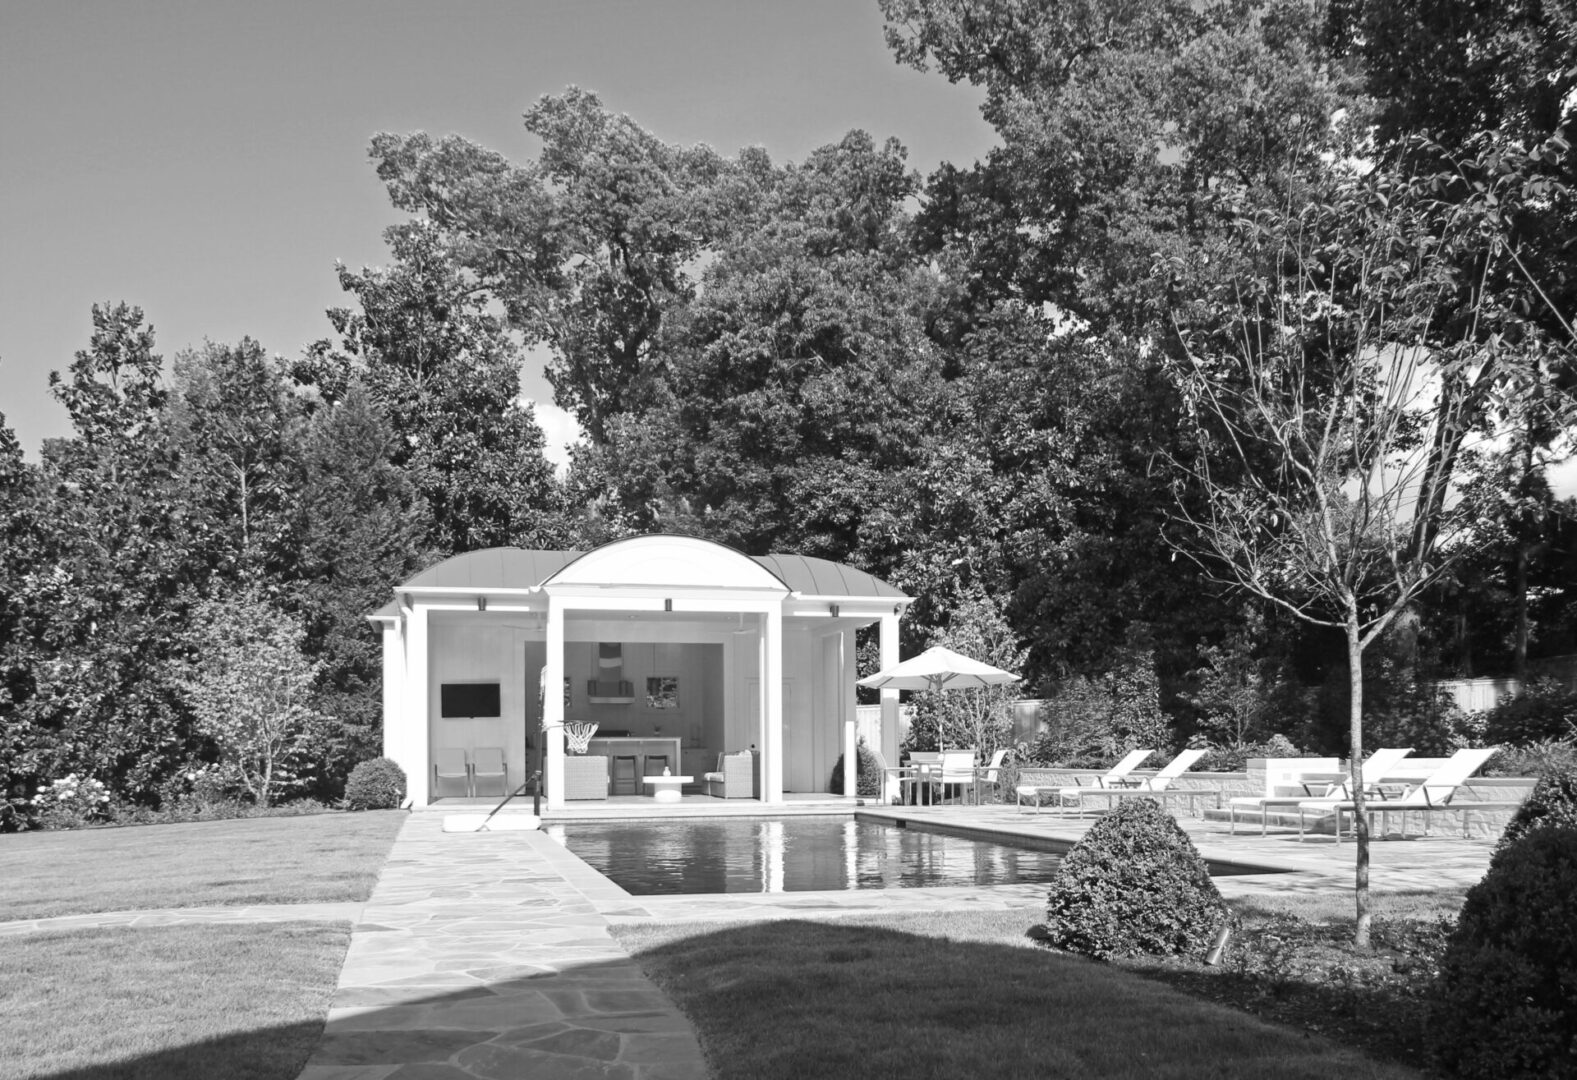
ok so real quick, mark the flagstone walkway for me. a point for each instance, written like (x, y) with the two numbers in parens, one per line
(487, 955)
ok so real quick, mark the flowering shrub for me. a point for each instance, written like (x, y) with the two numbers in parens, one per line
(71, 802)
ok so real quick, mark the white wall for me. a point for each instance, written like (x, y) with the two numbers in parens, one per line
(482, 650)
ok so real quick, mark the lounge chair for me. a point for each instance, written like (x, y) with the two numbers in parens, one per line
(1113, 777)
(1380, 762)
(489, 764)
(1156, 787)
(451, 764)
(1434, 794)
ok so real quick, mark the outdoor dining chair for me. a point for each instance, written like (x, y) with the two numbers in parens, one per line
(450, 763)
(489, 764)
(990, 776)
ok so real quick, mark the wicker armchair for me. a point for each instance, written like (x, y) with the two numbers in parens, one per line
(735, 777)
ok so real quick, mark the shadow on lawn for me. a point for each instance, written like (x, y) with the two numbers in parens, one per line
(853, 998)
(601, 1019)
(788, 999)
(266, 1053)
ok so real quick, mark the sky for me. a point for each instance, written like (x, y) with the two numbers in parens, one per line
(206, 160)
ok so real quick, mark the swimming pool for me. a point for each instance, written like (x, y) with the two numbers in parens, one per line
(795, 854)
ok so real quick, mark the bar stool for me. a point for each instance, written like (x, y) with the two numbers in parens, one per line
(624, 774)
(655, 764)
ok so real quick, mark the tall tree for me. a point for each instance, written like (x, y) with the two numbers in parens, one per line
(19, 564)
(360, 525)
(586, 248)
(446, 373)
(107, 616)
(233, 418)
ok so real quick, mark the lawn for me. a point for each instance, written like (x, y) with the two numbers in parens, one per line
(243, 1002)
(955, 994)
(280, 860)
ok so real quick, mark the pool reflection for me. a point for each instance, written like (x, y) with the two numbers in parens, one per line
(791, 855)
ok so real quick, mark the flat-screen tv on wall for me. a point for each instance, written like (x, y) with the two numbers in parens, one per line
(458, 700)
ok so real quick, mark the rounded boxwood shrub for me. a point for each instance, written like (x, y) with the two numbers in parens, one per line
(378, 784)
(1134, 884)
(1506, 997)
(867, 777)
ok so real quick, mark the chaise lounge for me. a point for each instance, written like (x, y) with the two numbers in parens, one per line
(1435, 794)
(1113, 777)
(1380, 762)
(1158, 787)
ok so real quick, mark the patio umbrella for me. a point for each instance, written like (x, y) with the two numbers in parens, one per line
(938, 669)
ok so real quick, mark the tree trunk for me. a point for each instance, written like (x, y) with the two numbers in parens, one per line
(1519, 659)
(1360, 808)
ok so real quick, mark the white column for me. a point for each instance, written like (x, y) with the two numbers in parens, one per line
(553, 706)
(393, 690)
(772, 706)
(851, 736)
(889, 650)
(417, 738)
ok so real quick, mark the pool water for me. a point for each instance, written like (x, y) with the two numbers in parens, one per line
(796, 854)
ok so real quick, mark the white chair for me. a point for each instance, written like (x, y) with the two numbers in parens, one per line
(957, 769)
(1380, 762)
(1114, 776)
(489, 764)
(1434, 794)
(991, 775)
(1152, 786)
(451, 764)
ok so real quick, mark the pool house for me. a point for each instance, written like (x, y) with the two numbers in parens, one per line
(681, 651)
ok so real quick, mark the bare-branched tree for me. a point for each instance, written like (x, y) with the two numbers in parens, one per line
(1336, 376)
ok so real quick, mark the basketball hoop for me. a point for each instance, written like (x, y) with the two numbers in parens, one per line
(577, 735)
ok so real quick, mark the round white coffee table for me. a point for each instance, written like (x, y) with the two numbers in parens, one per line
(666, 788)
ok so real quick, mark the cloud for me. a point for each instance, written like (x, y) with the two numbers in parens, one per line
(560, 430)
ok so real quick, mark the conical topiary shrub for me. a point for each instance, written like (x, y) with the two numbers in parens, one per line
(1134, 884)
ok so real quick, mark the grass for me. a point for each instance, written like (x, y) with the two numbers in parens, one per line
(954, 994)
(244, 1002)
(279, 860)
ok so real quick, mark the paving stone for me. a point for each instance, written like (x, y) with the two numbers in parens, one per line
(427, 1072)
(389, 1047)
(352, 996)
(579, 1042)
(493, 1062)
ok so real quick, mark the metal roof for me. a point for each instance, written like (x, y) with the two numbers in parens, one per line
(823, 577)
(517, 568)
